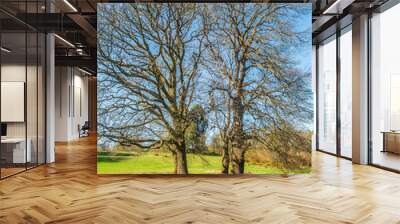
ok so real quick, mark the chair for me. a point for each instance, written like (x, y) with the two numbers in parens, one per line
(84, 130)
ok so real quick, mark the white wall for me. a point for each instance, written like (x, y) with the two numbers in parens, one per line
(62, 82)
(33, 126)
(17, 73)
(12, 73)
(80, 109)
(71, 94)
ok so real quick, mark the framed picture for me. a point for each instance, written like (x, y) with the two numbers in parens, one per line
(187, 88)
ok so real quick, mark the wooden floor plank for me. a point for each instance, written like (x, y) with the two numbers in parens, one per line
(70, 191)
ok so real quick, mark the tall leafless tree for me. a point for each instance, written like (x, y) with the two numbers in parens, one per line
(220, 107)
(149, 57)
(250, 60)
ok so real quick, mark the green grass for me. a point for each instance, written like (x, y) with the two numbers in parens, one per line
(162, 163)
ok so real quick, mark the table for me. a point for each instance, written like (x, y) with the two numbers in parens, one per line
(13, 150)
(391, 141)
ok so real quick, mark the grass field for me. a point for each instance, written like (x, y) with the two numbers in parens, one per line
(162, 163)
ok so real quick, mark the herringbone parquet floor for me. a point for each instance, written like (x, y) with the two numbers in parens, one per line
(70, 191)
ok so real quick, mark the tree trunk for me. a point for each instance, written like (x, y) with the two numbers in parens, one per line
(175, 161)
(181, 162)
(225, 159)
(238, 136)
(180, 156)
(238, 162)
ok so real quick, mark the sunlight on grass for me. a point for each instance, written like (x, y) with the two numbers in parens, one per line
(162, 163)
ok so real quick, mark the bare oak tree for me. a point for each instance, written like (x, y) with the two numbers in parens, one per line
(250, 47)
(149, 57)
(220, 107)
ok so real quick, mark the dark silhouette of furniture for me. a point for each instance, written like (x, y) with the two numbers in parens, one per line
(84, 130)
(391, 141)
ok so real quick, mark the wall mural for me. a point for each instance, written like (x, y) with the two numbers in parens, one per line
(204, 88)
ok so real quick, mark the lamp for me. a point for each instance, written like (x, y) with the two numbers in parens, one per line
(84, 71)
(5, 50)
(337, 7)
(64, 40)
(70, 5)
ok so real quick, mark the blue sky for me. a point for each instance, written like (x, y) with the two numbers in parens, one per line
(304, 23)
